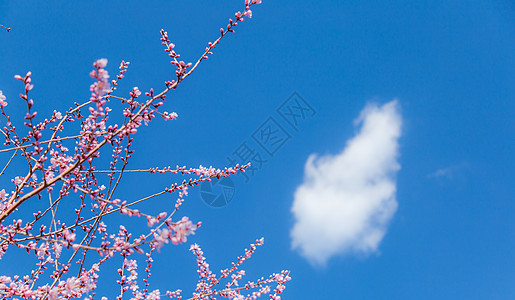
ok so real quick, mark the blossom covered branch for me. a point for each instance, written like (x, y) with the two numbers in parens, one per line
(62, 167)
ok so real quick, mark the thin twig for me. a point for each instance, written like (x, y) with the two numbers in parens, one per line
(9, 162)
(6, 28)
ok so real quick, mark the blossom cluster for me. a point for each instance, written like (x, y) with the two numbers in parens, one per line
(70, 247)
(232, 290)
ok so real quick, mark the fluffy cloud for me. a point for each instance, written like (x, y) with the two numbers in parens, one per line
(346, 200)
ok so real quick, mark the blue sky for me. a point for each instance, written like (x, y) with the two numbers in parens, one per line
(445, 147)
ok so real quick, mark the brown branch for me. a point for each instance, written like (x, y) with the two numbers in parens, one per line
(44, 142)
(6, 28)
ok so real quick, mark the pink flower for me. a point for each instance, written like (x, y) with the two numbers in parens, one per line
(154, 295)
(72, 286)
(3, 195)
(182, 229)
(68, 236)
(53, 294)
(18, 180)
(135, 92)
(2, 100)
(100, 63)
(102, 86)
(170, 116)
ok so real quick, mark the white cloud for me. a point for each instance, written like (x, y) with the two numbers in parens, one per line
(441, 173)
(346, 200)
(449, 172)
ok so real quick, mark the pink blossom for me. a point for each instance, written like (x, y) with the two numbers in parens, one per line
(154, 295)
(135, 92)
(170, 116)
(18, 180)
(53, 294)
(3, 103)
(72, 286)
(100, 63)
(68, 236)
(3, 195)
(67, 163)
(182, 229)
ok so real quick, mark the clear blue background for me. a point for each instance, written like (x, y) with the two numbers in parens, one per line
(450, 63)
